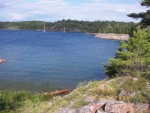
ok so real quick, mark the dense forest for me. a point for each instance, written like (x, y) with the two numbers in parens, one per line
(72, 26)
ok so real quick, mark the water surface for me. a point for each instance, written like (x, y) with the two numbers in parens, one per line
(63, 59)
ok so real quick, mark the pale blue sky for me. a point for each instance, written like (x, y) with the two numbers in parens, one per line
(53, 10)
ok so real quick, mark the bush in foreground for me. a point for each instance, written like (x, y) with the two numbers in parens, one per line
(10, 100)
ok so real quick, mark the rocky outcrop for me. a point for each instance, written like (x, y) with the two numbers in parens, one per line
(1, 61)
(103, 107)
(111, 105)
(111, 36)
(119, 107)
(142, 108)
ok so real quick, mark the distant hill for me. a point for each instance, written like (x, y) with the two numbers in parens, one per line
(72, 26)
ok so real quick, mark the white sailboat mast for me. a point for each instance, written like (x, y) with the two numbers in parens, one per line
(64, 30)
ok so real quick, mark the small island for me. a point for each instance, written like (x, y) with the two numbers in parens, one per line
(112, 36)
(1, 61)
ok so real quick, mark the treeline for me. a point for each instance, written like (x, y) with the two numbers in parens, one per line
(72, 26)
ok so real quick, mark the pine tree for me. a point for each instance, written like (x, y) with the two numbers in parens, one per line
(133, 57)
(145, 3)
(145, 16)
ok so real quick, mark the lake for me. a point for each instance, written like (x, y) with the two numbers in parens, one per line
(62, 59)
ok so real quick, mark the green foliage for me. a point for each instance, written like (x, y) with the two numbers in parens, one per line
(145, 3)
(72, 26)
(103, 90)
(79, 103)
(131, 85)
(72, 96)
(143, 96)
(145, 16)
(133, 56)
(40, 98)
(10, 101)
(135, 91)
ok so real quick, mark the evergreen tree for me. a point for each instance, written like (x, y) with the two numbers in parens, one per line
(145, 16)
(133, 57)
(145, 3)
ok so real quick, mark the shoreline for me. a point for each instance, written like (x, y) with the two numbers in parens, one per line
(111, 36)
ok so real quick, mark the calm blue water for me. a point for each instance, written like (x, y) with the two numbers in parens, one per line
(60, 58)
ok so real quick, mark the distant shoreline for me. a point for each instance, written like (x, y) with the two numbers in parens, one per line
(111, 36)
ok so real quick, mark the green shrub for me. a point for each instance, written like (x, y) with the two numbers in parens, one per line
(41, 97)
(143, 96)
(133, 56)
(138, 88)
(131, 85)
(11, 100)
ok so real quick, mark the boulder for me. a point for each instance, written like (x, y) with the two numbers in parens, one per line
(122, 92)
(66, 110)
(141, 107)
(91, 108)
(118, 107)
(1, 61)
(108, 107)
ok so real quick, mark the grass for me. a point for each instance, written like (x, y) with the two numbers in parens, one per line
(131, 85)
(93, 90)
(103, 90)
(12, 101)
(79, 103)
(136, 91)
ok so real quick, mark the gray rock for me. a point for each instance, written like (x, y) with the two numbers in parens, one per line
(66, 110)
(122, 92)
(141, 107)
(119, 107)
(99, 111)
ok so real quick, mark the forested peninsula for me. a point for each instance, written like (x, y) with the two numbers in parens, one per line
(72, 26)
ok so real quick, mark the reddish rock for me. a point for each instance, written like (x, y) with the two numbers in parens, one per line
(130, 108)
(118, 107)
(91, 108)
(98, 106)
(1, 61)
(109, 107)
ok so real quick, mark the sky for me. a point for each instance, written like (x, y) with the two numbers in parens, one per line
(54, 10)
